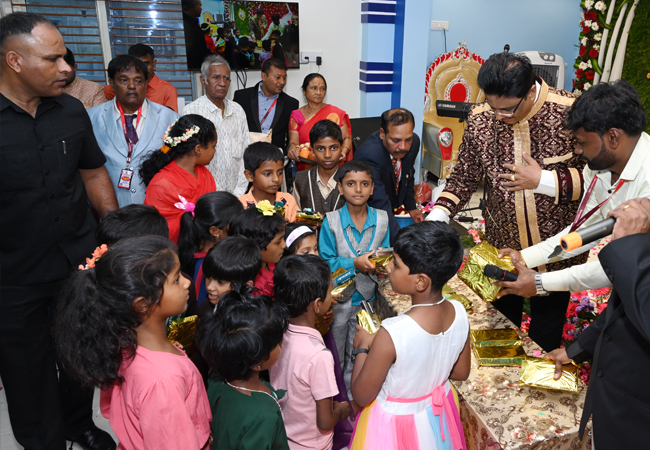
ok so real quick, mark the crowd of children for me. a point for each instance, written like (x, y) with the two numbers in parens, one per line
(261, 374)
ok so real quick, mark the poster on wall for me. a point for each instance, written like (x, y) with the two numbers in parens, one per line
(245, 33)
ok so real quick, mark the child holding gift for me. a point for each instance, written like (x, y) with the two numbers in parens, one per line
(347, 238)
(401, 372)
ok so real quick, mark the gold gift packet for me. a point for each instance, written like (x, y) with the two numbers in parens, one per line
(495, 338)
(472, 273)
(499, 356)
(367, 318)
(538, 372)
(341, 279)
(183, 331)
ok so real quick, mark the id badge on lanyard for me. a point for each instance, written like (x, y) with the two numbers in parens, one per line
(126, 174)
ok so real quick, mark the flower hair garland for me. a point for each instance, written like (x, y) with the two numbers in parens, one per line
(90, 262)
(266, 208)
(184, 205)
(171, 142)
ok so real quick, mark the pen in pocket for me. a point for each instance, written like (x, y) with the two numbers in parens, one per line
(64, 148)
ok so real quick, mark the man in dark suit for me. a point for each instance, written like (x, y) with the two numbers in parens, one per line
(195, 45)
(266, 106)
(391, 152)
(619, 339)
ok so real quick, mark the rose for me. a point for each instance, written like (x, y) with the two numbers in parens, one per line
(580, 73)
(591, 15)
(586, 30)
(581, 85)
(583, 50)
(590, 74)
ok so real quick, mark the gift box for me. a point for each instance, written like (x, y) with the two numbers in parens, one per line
(495, 338)
(341, 279)
(382, 257)
(182, 331)
(310, 217)
(538, 372)
(367, 318)
(472, 273)
(467, 303)
(447, 290)
(500, 356)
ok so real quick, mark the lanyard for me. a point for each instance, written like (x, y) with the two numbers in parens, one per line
(126, 135)
(580, 219)
(267, 112)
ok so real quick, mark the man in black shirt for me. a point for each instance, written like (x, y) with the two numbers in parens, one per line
(50, 168)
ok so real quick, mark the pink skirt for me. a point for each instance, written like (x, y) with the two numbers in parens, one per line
(436, 427)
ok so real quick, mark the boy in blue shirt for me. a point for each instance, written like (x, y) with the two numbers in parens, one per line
(347, 238)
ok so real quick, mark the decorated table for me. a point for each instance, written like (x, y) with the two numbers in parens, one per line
(497, 412)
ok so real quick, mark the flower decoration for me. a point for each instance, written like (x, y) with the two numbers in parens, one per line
(476, 234)
(90, 262)
(266, 208)
(165, 149)
(171, 142)
(593, 24)
(184, 205)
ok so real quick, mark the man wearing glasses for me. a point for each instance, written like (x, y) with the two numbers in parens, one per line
(532, 176)
(227, 166)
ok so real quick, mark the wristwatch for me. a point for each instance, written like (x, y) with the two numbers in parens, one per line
(538, 285)
(356, 351)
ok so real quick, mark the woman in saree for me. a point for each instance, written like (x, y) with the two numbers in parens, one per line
(314, 89)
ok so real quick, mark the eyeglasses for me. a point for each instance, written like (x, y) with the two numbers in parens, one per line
(506, 114)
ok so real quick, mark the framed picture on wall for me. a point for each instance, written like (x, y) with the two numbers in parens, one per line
(245, 33)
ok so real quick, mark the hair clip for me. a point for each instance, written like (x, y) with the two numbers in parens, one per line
(90, 262)
(184, 205)
(266, 208)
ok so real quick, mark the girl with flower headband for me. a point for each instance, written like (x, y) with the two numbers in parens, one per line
(110, 333)
(175, 174)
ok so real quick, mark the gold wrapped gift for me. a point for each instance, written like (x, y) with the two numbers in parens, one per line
(183, 331)
(367, 318)
(538, 372)
(309, 217)
(472, 273)
(321, 326)
(447, 290)
(341, 279)
(467, 303)
(500, 356)
(381, 260)
(495, 338)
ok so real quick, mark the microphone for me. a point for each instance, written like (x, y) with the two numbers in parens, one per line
(588, 234)
(498, 273)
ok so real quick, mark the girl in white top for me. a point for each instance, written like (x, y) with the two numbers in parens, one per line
(403, 379)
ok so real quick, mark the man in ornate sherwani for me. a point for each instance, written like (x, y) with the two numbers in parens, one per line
(532, 176)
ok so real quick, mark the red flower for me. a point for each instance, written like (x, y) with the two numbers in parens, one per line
(591, 15)
(571, 310)
(590, 75)
(580, 73)
(586, 30)
(593, 53)
(581, 85)
(601, 307)
(583, 50)
(565, 331)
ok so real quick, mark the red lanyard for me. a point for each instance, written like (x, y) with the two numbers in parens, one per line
(126, 135)
(580, 219)
(267, 112)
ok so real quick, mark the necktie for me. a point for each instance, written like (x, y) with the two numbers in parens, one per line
(397, 168)
(130, 129)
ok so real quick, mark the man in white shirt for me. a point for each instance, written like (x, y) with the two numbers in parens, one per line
(227, 166)
(608, 122)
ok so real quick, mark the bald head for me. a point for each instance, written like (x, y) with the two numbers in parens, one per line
(33, 54)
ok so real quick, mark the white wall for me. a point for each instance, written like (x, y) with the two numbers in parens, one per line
(333, 28)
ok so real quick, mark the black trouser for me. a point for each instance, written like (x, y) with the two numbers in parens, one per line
(547, 316)
(41, 408)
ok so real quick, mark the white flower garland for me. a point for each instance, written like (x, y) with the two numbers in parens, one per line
(173, 141)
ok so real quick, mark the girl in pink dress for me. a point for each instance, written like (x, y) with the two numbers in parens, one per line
(401, 373)
(110, 333)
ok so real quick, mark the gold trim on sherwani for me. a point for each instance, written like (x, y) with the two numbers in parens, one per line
(519, 219)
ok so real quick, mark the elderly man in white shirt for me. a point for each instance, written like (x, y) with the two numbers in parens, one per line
(227, 166)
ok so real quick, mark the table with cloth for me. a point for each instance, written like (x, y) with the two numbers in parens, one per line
(497, 412)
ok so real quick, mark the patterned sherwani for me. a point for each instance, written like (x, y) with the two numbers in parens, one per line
(522, 218)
